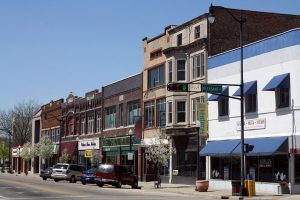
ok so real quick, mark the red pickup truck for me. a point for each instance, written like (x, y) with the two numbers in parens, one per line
(115, 175)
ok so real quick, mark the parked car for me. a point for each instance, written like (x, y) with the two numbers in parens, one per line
(65, 171)
(115, 175)
(46, 173)
(88, 176)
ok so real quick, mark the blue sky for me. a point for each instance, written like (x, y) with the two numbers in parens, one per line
(50, 48)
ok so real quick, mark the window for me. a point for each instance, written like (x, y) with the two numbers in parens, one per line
(170, 70)
(98, 122)
(250, 102)
(170, 112)
(156, 76)
(197, 32)
(82, 127)
(179, 39)
(180, 107)
(149, 114)
(57, 132)
(121, 115)
(198, 66)
(195, 109)
(180, 70)
(282, 97)
(134, 110)
(90, 124)
(110, 117)
(53, 135)
(223, 106)
(161, 112)
(155, 54)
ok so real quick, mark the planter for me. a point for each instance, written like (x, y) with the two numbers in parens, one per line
(202, 185)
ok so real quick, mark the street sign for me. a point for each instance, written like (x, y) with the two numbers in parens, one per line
(210, 88)
(130, 156)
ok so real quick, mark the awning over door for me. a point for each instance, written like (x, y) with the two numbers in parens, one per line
(219, 148)
(69, 147)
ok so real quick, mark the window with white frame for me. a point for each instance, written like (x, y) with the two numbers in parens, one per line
(170, 116)
(110, 117)
(90, 124)
(134, 110)
(223, 106)
(180, 111)
(170, 71)
(180, 70)
(161, 112)
(156, 76)
(197, 32)
(195, 108)
(57, 133)
(198, 66)
(82, 127)
(149, 114)
(250, 103)
(98, 122)
(53, 135)
(282, 97)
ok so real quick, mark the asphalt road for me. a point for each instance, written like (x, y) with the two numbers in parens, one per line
(30, 187)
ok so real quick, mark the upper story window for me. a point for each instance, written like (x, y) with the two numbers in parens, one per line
(250, 103)
(195, 108)
(134, 110)
(223, 104)
(98, 122)
(121, 115)
(156, 76)
(197, 32)
(282, 97)
(170, 71)
(179, 39)
(110, 117)
(170, 116)
(149, 114)
(180, 70)
(198, 66)
(161, 112)
(180, 111)
(90, 124)
(155, 54)
(57, 135)
(82, 127)
(53, 135)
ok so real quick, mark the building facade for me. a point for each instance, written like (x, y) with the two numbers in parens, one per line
(271, 115)
(120, 141)
(35, 139)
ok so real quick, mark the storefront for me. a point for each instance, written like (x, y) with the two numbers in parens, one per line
(18, 165)
(88, 152)
(70, 148)
(268, 163)
(117, 151)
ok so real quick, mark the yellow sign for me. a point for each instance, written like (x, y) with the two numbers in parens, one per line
(88, 153)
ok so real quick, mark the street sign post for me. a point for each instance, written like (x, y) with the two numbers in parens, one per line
(211, 88)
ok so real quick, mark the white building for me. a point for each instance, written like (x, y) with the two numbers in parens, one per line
(272, 115)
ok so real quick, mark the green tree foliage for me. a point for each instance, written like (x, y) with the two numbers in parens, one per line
(4, 151)
(64, 158)
(45, 148)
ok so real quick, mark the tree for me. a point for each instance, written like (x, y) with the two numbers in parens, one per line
(27, 153)
(64, 158)
(44, 149)
(4, 151)
(16, 122)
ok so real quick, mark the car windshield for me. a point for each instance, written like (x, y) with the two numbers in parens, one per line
(92, 170)
(106, 168)
(60, 166)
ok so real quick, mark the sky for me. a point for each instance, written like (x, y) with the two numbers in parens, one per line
(49, 48)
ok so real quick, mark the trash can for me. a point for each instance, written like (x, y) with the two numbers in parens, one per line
(236, 184)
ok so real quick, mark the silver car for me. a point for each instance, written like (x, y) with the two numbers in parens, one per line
(65, 171)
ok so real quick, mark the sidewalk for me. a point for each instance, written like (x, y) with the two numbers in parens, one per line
(217, 194)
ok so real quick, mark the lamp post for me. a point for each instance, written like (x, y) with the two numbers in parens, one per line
(198, 150)
(130, 133)
(241, 21)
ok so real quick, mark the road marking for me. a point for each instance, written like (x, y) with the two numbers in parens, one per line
(40, 187)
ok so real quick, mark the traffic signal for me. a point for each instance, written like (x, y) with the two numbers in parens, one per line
(248, 147)
(178, 87)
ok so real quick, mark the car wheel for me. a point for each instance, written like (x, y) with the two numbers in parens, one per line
(100, 184)
(135, 184)
(72, 179)
(56, 180)
(119, 184)
(83, 182)
(44, 178)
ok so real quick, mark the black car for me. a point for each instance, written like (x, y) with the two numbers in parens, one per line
(46, 173)
(88, 176)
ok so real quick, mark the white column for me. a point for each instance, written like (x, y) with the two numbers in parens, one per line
(171, 161)
(208, 168)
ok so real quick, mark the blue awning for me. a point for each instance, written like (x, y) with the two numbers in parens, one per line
(280, 81)
(215, 97)
(265, 146)
(219, 148)
(249, 88)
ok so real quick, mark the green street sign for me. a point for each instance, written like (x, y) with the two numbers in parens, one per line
(209, 88)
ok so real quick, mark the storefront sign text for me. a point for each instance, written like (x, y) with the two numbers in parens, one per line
(252, 124)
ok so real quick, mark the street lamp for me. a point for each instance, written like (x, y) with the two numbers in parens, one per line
(241, 21)
(198, 150)
(130, 133)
